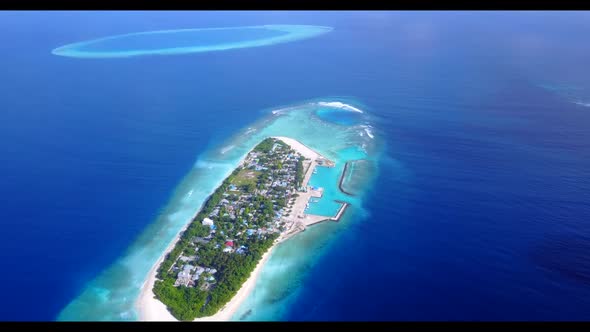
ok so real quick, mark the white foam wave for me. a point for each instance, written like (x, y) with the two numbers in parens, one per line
(364, 148)
(227, 148)
(367, 129)
(337, 104)
(283, 110)
(581, 103)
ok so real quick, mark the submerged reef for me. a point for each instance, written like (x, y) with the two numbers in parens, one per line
(183, 41)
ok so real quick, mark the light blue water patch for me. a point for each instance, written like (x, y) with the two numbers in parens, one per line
(324, 207)
(353, 153)
(181, 41)
(339, 116)
(183, 38)
(327, 178)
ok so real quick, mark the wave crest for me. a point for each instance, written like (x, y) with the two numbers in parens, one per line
(337, 104)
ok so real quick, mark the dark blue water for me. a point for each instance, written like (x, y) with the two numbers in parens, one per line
(482, 205)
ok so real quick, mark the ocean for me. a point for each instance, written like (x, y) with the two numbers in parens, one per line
(478, 207)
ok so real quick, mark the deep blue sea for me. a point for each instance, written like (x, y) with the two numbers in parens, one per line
(480, 209)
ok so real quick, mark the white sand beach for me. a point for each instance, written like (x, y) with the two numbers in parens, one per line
(151, 309)
(299, 147)
(148, 308)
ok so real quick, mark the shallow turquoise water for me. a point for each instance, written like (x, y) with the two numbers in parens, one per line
(339, 116)
(327, 178)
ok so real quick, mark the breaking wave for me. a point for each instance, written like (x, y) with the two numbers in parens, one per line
(337, 104)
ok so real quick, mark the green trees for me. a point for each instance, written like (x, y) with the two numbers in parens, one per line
(188, 303)
(196, 229)
(299, 172)
(208, 296)
(265, 146)
(250, 187)
(184, 303)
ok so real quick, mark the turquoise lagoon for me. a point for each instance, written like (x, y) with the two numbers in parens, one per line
(328, 179)
(337, 116)
(181, 41)
(113, 294)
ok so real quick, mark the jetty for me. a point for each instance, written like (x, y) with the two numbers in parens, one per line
(347, 167)
(340, 211)
(302, 219)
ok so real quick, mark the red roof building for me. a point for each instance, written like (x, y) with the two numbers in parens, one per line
(229, 243)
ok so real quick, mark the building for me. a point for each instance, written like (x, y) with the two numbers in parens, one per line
(198, 271)
(241, 249)
(187, 258)
(184, 276)
(207, 222)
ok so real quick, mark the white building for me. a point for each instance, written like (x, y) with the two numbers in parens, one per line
(207, 222)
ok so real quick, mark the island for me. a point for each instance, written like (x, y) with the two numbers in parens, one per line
(212, 265)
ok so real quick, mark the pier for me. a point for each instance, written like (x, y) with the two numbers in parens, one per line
(312, 219)
(301, 220)
(342, 176)
(340, 211)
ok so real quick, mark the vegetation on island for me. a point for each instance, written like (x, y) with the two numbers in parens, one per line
(237, 224)
(299, 172)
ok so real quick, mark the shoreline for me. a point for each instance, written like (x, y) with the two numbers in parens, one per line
(151, 309)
